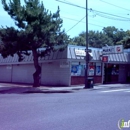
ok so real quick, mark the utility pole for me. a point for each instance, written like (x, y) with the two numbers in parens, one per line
(87, 50)
(87, 55)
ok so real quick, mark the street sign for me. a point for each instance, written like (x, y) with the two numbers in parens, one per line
(112, 49)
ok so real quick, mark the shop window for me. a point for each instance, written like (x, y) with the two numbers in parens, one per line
(91, 69)
(115, 70)
(77, 70)
(98, 69)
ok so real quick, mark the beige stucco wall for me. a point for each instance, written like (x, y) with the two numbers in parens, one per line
(23, 73)
(55, 73)
(5, 73)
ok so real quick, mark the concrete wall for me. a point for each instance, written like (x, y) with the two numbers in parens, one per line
(55, 73)
(5, 73)
(23, 73)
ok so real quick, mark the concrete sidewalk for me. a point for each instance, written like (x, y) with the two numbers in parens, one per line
(22, 88)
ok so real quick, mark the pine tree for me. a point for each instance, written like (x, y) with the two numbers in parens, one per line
(37, 27)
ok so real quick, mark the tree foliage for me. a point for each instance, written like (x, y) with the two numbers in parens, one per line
(95, 39)
(126, 40)
(37, 27)
(114, 34)
(109, 35)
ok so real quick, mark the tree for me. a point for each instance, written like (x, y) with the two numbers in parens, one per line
(95, 39)
(125, 42)
(114, 34)
(37, 27)
(79, 40)
(98, 39)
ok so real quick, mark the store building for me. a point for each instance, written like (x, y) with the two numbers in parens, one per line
(65, 68)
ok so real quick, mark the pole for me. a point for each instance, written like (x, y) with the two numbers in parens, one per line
(87, 58)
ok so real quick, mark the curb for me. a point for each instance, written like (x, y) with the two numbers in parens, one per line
(5, 89)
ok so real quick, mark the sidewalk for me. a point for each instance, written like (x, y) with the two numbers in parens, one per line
(22, 88)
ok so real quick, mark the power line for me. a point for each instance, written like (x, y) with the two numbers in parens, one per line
(114, 5)
(72, 19)
(111, 17)
(98, 12)
(76, 24)
(102, 14)
(61, 10)
(82, 22)
(71, 4)
(96, 25)
(78, 20)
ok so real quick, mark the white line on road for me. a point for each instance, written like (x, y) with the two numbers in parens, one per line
(127, 91)
(117, 90)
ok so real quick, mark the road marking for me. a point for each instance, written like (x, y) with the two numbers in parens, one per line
(117, 90)
(127, 91)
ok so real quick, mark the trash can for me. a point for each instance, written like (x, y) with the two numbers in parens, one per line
(90, 82)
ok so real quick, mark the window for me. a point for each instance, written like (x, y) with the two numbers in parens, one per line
(77, 70)
(98, 69)
(91, 69)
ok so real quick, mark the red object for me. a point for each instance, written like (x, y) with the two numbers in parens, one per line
(118, 49)
(105, 58)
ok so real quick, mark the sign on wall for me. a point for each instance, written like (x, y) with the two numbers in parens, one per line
(112, 49)
(76, 70)
(105, 59)
(80, 52)
(119, 49)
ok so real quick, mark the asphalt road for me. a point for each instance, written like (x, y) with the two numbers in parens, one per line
(81, 110)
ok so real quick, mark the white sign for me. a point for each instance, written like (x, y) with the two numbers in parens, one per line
(119, 49)
(80, 52)
(112, 49)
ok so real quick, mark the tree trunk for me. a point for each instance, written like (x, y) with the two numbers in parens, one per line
(36, 75)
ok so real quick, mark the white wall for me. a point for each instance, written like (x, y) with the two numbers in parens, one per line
(5, 73)
(23, 73)
(55, 74)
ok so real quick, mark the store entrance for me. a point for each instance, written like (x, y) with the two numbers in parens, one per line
(111, 73)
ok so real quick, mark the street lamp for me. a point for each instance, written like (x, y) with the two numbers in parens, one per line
(87, 55)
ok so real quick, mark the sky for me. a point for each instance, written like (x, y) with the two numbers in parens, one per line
(101, 13)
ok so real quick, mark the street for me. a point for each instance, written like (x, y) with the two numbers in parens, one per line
(85, 109)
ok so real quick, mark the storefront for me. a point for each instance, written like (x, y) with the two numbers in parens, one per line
(78, 72)
(111, 73)
(67, 67)
(116, 62)
(78, 65)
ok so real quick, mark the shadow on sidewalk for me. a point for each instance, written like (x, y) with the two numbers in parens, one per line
(29, 90)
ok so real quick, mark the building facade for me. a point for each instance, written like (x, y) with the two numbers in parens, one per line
(67, 67)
